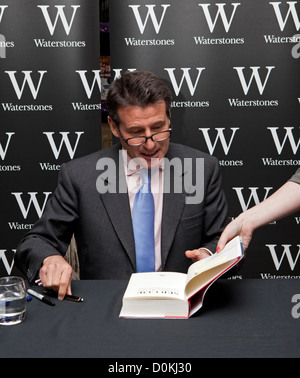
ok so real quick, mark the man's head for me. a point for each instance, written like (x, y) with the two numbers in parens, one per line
(139, 106)
(138, 88)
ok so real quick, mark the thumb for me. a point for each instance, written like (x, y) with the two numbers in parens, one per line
(222, 242)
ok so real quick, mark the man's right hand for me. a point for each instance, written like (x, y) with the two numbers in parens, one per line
(56, 274)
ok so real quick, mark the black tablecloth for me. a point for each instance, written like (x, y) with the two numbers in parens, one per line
(240, 318)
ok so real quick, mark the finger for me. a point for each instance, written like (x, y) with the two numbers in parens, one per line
(56, 274)
(64, 286)
(46, 276)
(229, 233)
(197, 254)
(190, 254)
(221, 243)
(50, 272)
(69, 291)
(56, 277)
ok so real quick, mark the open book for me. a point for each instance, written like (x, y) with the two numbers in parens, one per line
(177, 295)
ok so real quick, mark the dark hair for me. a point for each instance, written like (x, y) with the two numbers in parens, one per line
(137, 88)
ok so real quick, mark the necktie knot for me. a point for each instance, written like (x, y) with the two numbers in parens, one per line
(146, 180)
(146, 175)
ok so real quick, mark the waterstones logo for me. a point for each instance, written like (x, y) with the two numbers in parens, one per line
(8, 262)
(55, 18)
(289, 136)
(44, 43)
(286, 16)
(91, 81)
(284, 139)
(224, 141)
(221, 18)
(253, 197)
(64, 141)
(27, 81)
(291, 13)
(285, 253)
(33, 202)
(32, 82)
(218, 41)
(186, 80)
(251, 83)
(149, 19)
(275, 39)
(35, 205)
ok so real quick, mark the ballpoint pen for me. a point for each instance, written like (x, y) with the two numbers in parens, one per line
(41, 297)
(67, 297)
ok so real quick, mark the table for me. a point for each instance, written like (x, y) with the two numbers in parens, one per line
(240, 318)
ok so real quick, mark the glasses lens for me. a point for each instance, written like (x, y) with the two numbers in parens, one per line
(161, 136)
(158, 137)
(136, 141)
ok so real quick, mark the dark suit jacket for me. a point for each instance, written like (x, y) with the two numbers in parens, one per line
(101, 222)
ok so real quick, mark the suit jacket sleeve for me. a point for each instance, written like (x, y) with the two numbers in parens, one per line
(52, 233)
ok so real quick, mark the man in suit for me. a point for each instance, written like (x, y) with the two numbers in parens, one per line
(95, 196)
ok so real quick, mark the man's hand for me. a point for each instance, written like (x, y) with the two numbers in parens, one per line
(197, 254)
(56, 274)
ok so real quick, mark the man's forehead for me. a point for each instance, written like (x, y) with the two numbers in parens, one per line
(142, 111)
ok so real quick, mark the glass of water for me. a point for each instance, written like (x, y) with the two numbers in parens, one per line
(12, 300)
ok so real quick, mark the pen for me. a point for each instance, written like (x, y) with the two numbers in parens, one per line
(68, 297)
(41, 297)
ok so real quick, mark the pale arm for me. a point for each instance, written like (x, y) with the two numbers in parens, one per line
(285, 201)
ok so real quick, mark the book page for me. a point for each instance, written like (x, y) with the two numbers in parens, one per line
(201, 272)
(201, 280)
(156, 285)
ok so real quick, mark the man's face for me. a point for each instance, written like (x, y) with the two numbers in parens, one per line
(137, 121)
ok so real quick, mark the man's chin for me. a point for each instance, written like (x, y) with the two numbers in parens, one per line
(147, 161)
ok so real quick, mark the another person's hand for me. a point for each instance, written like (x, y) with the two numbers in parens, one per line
(233, 229)
(285, 201)
(56, 274)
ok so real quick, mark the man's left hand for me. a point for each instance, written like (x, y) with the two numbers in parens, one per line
(197, 254)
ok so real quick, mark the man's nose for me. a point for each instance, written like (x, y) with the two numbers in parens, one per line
(150, 143)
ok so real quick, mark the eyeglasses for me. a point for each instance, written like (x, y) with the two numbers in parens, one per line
(157, 137)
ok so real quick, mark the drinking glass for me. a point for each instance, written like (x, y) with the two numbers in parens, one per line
(12, 300)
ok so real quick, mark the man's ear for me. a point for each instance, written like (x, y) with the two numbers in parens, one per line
(113, 127)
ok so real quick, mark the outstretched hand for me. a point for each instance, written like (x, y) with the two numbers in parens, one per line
(233, 229)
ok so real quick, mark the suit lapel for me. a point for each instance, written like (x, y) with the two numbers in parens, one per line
(117, 205)
(173, 204)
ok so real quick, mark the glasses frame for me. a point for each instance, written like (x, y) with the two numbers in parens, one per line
(146, 138)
